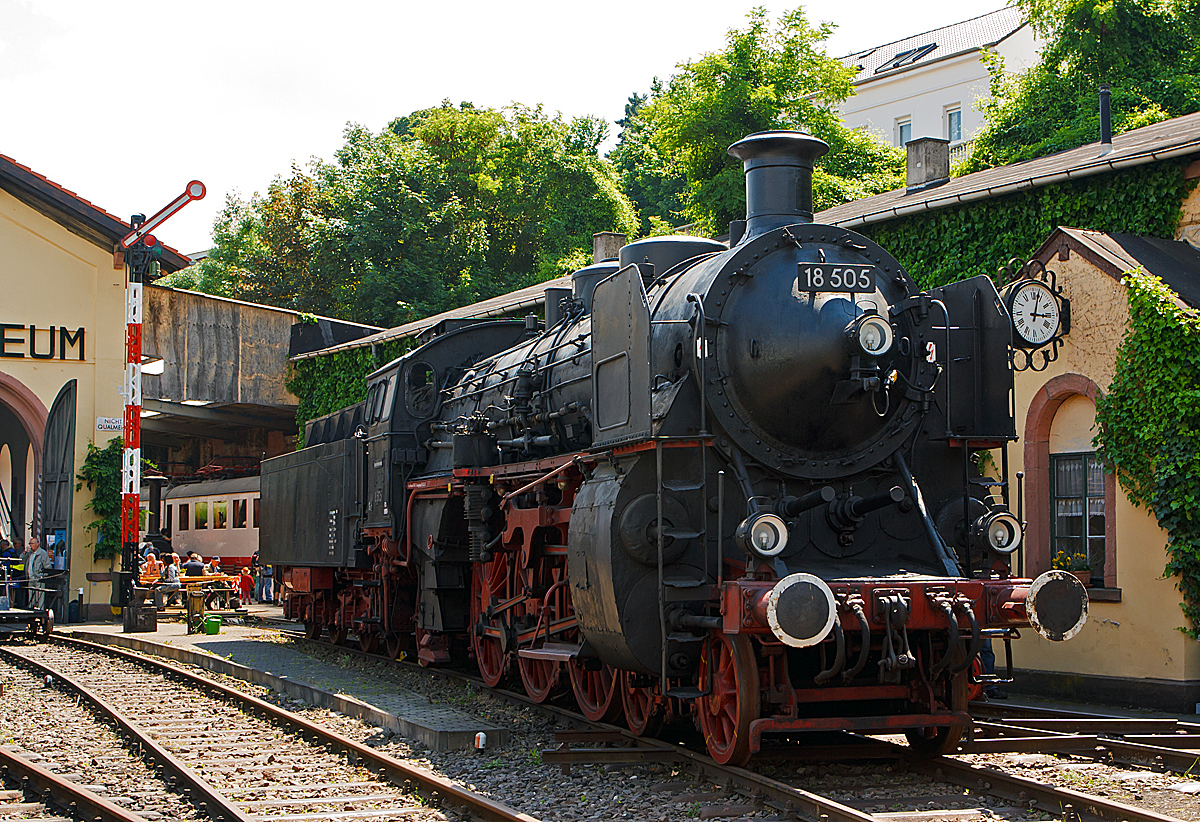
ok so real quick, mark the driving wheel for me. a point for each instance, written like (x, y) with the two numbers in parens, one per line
(733, 702)
(596, 691)
(642, 706)
(935, 741)
(541, 677)
(397, 645)
(489, 583)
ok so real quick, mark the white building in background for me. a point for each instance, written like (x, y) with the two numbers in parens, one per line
(928, 85)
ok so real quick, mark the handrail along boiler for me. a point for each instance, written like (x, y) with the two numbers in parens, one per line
(737, 482)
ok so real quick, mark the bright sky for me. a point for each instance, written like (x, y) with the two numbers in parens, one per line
(124, 103)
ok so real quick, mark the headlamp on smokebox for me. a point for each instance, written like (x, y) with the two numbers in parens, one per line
(871, 334)
(998, 530)
(762, 535)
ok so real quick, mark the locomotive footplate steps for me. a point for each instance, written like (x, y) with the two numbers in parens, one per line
(239, 654)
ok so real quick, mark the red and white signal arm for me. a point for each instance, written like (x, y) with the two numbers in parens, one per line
(195, 191)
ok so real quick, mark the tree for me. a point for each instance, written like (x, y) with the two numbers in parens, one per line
(766, 77)
(443, 207)
(1146, 50)
(647, 178)
(263, 250)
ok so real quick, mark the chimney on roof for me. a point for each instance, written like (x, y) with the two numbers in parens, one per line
(928, 162)
(1105, 119)
(606, 245)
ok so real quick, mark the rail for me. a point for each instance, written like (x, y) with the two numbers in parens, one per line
(429, 785)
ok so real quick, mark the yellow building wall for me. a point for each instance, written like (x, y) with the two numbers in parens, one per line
(53, 277)
(1135, 637)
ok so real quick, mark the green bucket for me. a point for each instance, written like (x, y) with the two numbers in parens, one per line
(212, 624)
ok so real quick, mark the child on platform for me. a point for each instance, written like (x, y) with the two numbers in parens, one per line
(246, 585)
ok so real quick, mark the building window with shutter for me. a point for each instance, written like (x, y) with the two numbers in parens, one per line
(1077, 513)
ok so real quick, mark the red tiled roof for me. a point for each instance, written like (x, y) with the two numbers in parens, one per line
(74, 212)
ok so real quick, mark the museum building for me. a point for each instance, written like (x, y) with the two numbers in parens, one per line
(214, 392)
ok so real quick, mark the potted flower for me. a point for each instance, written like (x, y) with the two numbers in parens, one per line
(1074, 563)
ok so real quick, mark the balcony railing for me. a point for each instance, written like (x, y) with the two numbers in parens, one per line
(962, 151)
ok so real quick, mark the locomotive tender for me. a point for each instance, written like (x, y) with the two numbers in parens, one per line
(737, 482)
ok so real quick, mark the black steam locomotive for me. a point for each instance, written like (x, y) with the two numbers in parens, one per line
(733, 482)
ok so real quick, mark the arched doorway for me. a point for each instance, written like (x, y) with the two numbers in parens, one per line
(22, 429)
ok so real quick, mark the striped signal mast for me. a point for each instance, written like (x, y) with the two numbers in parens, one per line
(142, 253)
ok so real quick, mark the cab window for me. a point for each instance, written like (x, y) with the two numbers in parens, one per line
(422, 389)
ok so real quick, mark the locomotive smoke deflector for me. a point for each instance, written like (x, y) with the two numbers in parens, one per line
(778, 166)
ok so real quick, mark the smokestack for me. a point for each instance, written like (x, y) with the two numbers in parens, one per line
(1105, 119)
(778, 167)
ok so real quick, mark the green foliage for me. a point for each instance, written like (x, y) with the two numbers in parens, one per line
(955, 243)
(768, 76)
(1149, 425)
(647, 177)
(101, 471)
(332, 382)
(443, 207)
(1145, 49)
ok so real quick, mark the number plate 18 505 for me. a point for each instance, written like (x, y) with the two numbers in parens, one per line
(835, 277)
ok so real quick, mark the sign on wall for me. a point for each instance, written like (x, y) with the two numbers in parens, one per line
(109, 423)
(18, 341)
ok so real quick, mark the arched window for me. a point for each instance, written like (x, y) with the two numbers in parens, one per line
(1069, 498)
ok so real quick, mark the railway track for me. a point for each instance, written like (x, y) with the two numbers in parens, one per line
(31, 791)
(1150, 742)
(590, 742)
(240, 758)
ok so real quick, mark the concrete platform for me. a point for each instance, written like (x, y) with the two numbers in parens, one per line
(241, 652)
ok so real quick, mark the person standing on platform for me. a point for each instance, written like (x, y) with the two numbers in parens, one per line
(246, 586)
(268, 585)
(35, 570)
(256, 570)
(17, 569)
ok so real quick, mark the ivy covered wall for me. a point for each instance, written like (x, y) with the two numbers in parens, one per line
(1149, 425)
(326, 384)
(950, 244)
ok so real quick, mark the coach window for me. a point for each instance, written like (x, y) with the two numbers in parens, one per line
(201, 518)
(255, 525)
(184, 521)
(168, 527)
(239, 513)
(220, 513)
(422, 389)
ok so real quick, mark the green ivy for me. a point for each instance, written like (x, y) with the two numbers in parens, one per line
(101, 471)
(952, 244)
(328, 383)
(1149, 425)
